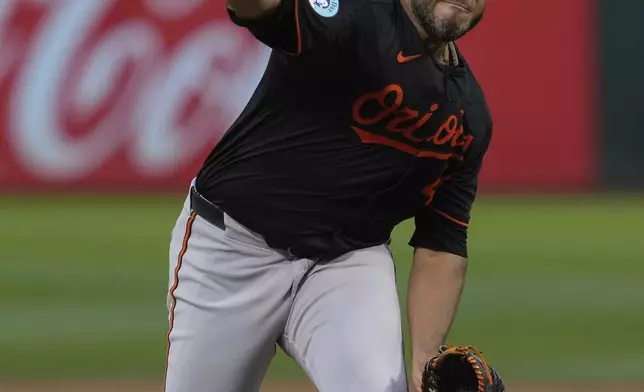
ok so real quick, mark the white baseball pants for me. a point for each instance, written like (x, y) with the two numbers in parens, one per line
(232, 299)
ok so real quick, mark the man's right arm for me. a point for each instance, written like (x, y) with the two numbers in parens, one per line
(298, 26)
(252, 9)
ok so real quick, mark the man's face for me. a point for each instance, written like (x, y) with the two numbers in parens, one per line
(448, 20)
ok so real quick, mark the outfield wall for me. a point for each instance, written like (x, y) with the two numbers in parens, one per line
(130, 95)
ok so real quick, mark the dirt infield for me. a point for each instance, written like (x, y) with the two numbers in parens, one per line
(109, 386)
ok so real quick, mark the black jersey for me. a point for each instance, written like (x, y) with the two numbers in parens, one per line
(353, 128)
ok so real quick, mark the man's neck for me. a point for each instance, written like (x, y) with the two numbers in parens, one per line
(436, 48)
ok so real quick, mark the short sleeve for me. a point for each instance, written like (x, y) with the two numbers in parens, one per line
(442, 224)
(298, 26)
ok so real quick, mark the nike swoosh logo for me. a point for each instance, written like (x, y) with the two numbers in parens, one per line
(404, 59)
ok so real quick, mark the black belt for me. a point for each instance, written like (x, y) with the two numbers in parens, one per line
(314, 248)
(205, 209)
(214, 215)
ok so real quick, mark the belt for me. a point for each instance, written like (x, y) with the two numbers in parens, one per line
(214, 215)
(205, 209)
(314, 248)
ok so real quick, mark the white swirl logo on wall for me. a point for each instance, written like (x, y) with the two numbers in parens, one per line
(89, 81)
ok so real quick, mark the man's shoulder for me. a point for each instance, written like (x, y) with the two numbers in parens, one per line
(480, 118)
(390, 5)
(476, 92)
(377, 9)
(384, 7)
(379, 21)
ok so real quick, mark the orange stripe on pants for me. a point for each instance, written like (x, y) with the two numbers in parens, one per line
(183, 251)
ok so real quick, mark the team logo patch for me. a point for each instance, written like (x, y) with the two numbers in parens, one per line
(325, 8)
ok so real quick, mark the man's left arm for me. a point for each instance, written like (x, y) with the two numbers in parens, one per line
(440, 263)
(433, 295)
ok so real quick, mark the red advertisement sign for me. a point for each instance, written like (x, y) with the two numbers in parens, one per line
(130, 95)
(536, 63)
(122, 95)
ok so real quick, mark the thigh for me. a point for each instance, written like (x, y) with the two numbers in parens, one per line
(226, 307)
(345, 328)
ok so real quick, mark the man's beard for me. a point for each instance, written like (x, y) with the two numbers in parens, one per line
(441, 30)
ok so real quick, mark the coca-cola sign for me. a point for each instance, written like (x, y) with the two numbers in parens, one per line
(132, 94)
(118, 93)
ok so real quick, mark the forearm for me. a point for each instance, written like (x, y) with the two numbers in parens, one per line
(252, 9)
(435, 287)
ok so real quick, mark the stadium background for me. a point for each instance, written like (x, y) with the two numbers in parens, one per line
(107, 108)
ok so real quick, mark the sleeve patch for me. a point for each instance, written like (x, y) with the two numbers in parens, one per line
(325, 8)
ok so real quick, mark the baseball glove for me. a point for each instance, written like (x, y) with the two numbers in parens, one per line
(460, 369)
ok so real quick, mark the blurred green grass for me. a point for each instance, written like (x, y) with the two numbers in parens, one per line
(555, 286)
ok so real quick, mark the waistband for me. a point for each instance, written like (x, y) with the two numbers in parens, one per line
(315, 248)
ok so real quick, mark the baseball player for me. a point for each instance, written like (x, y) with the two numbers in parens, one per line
(367, 115)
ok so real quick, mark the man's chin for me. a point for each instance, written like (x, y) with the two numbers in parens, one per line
(449, 11)
(444, 33)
